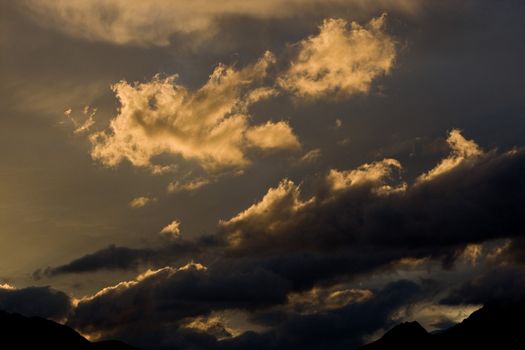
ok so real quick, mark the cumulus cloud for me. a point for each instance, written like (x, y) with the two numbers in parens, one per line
(130, 23)
(362, 207)
(210, 125)
(374, 173)
(170, 296)
(340, 328)
(282, 209)
(35, 301)
(463, 152)
(272, 136)
(140, 202)
(454, 214)
(125, 258)
(214, 325)
(192, 298)
(172, 229)
(292, 261)
(272, 212)
(340, 61)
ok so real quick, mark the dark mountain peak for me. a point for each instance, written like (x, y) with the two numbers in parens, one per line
(406, 328)
(498, 325)
(38, 333)
(407, 335)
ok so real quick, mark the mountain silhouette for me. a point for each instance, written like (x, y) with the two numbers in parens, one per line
(22, 332)
(497, 325)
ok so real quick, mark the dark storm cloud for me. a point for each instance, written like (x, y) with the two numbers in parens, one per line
(342, 328)
(170, 294)
(36, 301)
(359, 230)
(504, 283)
(111, 257)
(169, 302)
(471, 203)
(513, 253)
(339, 238)
(122, 258)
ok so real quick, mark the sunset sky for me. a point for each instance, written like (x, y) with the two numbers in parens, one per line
(260, 174)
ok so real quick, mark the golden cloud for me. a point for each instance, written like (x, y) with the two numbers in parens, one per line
(463, 152)
(340, 62)
(210, 125)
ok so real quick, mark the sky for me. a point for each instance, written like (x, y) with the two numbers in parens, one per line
(277, 174)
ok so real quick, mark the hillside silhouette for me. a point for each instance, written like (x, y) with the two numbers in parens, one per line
(22, 332)
(497, 325)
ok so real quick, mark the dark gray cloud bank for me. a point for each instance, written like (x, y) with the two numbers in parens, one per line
(338, 239)
(324, 254)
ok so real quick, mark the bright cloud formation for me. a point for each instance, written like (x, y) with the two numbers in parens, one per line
(279, 202)
(320, 298)
(172, 229)
(374, 173)
(210, 125)
(463, 152)
(282, 207)
(340, 61)
(273, 136)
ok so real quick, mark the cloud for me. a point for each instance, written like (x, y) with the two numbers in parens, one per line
(369, 212)
(109, 258)
(89, 119)
(170, 295)
(464, 152)
(311, 156)
(340, 62)
(192, 185)
(294, 261)
(214, 325)
(320, 299)
(35, 301)
(498, 284)
(282, 211)
(341, 328)
(509, 253)
(191, 297)
(125, 258)
(273, 136)
(362, 208)
(172, 229)
(209, 126)
(373, 173)
(140, 202)
(272, 212)
(124, 23)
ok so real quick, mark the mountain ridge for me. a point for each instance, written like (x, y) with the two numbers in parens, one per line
(36, 332)
(497, 325)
